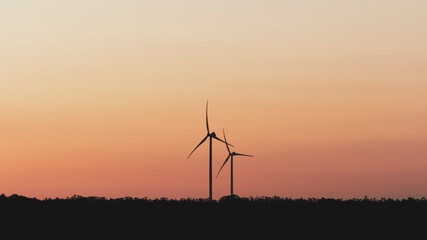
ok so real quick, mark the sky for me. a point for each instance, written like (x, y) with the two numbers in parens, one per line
(107, 98)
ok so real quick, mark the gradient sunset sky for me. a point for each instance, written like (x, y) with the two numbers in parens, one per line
(107, 98)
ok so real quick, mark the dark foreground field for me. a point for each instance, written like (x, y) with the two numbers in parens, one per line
(254, 218)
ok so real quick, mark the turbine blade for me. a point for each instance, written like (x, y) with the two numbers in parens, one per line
(239, 154)
(226, 160)
(207, 121)
(225, 139)
(204, 139)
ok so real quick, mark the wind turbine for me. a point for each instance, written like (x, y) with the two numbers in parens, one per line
(230, 156)
(210, 135)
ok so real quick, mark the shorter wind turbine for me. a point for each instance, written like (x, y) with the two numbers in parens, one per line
(230, 156)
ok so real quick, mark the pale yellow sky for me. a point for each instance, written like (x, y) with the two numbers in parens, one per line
(107, 97)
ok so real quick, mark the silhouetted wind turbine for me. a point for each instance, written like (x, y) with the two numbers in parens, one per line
(230, 156)
(210, 135)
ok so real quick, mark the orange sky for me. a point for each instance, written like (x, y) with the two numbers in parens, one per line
(107, 98)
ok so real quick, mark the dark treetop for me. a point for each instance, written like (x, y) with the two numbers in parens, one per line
(229, 218)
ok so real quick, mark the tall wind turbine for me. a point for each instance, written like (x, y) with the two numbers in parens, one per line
(230, 156)
(210, 135)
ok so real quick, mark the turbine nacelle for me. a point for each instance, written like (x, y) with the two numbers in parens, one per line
(211, 135)
(230, 154)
